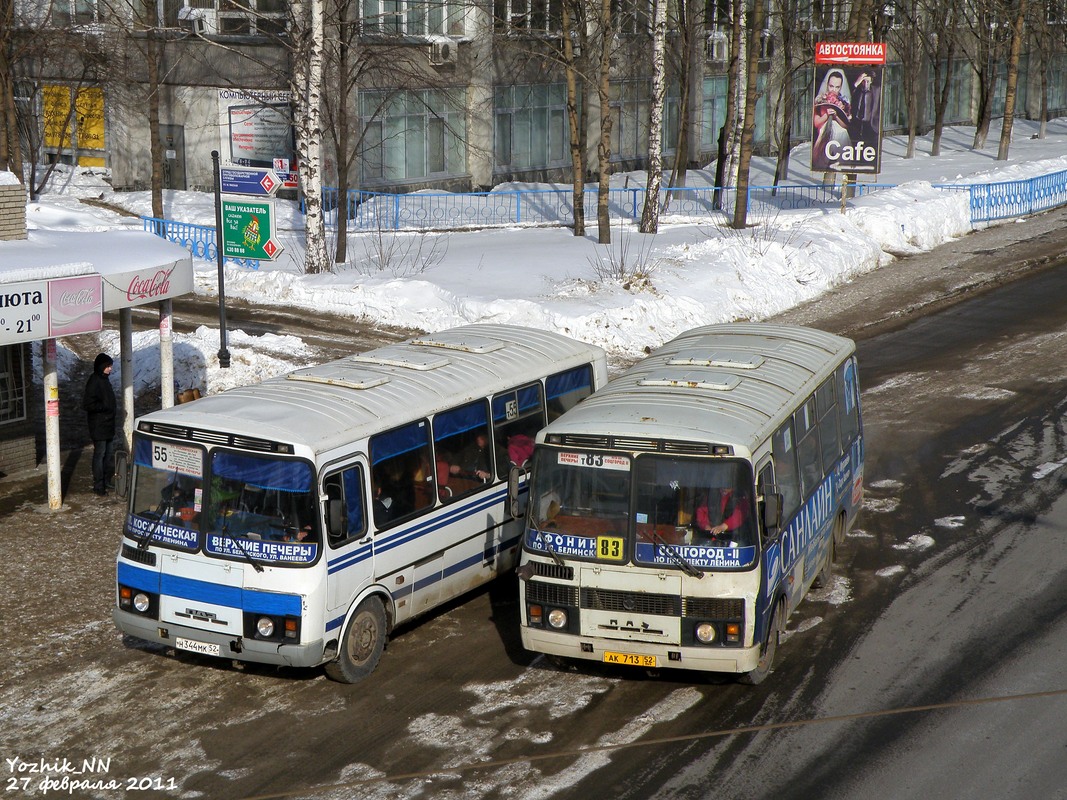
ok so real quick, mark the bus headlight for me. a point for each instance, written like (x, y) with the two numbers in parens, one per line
(557, 618)
(705, 632)
(141, 602)
(265, 627)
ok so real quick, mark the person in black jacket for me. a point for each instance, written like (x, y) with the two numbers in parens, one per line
(99, 405)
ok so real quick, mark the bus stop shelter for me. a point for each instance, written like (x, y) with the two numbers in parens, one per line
(61, 283)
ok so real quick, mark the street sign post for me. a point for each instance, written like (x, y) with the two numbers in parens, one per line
(242, 180)
(248, 229)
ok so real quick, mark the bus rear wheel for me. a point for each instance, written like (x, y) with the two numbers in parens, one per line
(363, 643)
(770, 647)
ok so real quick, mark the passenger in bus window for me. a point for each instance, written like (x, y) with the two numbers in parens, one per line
(719, 517)
(520, 448)
(383, 505)
(474, 460)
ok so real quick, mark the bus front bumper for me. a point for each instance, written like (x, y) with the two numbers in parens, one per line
(237, 648)
(710, 659)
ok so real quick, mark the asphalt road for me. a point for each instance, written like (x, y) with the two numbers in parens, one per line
(932, 666)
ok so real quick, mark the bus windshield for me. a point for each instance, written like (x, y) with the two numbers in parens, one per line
(253, 507)
(695, 510)
(167, 493)
(260, 508)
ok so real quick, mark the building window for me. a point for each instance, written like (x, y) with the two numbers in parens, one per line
(413, 136)
(65, 13)
(531, 127)
(234, 17)
(630, 103)
(713, 112)
(413, 17)
(717, 16)
(12, 384)
(633, 15)
(543, 16)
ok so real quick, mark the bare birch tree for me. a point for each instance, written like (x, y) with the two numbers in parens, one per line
(574, 49)
(307, 29)
(607, 26)
(748, 126)
(650, 213)
(728, 130)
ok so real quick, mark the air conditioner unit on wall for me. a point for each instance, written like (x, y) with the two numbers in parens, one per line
(202, 21)
(443, 51)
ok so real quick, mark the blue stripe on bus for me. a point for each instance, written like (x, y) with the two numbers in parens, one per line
(407, 535)
(207, 592)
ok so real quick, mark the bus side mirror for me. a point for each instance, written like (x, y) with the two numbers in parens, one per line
(516, 507)
(122, 473)
(334, 521)
(772, 514)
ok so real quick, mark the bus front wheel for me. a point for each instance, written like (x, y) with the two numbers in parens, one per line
(770, 646)
(363, 643)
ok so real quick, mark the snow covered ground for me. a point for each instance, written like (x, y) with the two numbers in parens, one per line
(695, 271)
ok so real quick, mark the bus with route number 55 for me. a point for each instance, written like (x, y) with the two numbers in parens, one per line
(298, 521)
(679, 515)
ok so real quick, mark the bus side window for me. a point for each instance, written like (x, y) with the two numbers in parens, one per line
(848, 401)
(764, 487)
(809, 453)
(345, 509)
(826, 400)
(787, 477)
(565, 390)
(402, 479)
(462, 450)
(517, 417)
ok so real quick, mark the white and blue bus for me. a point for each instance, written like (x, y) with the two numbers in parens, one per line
(299, 520)
(679, 515)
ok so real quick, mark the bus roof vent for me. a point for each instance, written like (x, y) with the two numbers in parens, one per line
(403, 358)
(727, 359)
(464, 342)
(332, 376)
(692, 379)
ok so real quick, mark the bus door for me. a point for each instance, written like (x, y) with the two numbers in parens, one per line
(350, 566)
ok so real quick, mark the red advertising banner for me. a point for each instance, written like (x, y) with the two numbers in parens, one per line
(850, 53)
(847, 109)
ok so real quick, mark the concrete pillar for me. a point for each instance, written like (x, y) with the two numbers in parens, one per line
(51, 426)
(166, 352)
(126, 339)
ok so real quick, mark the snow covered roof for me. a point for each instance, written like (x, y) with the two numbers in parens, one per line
(136, 267)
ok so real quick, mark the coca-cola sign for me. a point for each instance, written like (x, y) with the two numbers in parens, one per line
(152, 286)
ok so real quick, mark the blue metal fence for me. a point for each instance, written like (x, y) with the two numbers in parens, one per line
(458, 211)
(197, 239)
(455, 211)
(991, 201)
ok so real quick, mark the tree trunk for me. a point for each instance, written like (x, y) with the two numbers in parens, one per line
(574, 117)
(607, 31)
(307, 79)
(1013, 81)
(650, 213)
(343, 136)
(10, 146)
(685, 79)
(152, 46)
(733, 78)
(748, 126)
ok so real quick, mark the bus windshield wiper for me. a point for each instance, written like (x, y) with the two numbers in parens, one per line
(675, 556)
(248, 556)
(548, 546)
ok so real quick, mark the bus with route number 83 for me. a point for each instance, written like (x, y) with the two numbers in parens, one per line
(680, 514)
